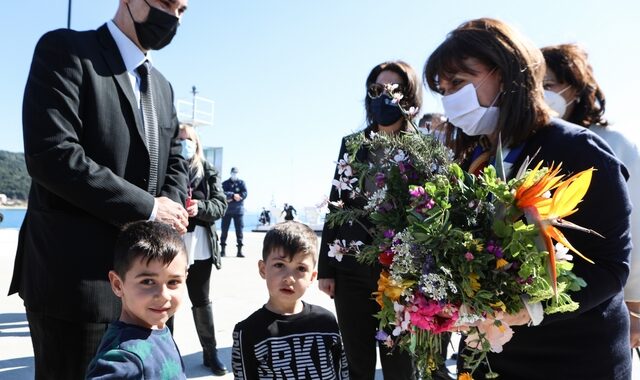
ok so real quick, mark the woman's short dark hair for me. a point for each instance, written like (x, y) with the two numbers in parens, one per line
(412, 88)
(145, 240)
(518, 62)
(570, 64)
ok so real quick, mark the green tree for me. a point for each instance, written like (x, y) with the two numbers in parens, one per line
(14, 178)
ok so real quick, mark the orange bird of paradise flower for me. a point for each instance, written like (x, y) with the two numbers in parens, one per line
(547, 212)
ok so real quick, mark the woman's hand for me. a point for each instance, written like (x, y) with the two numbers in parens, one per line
(634, 307)
(192, 210)
(520, 318)
(328, 285)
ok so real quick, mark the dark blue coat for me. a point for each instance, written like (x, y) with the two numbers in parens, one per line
(592, 342)
(231, 187)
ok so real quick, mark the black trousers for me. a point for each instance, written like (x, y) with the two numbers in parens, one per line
(355, 309)
(63, 349)
(238, 224)
(198, 282)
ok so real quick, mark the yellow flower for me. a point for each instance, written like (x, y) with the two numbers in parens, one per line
(499, 305)
(500, 263)
(475, 284)
(547, 212)
(389, 288)
(465, 376)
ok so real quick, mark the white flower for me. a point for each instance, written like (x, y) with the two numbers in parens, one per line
(400, 156)
(562, 253)
(344, 183)
(376, 198)
(435, 286)
(337, 249)
(344, 167)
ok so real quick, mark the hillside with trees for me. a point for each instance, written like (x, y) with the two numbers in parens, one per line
(14, 179)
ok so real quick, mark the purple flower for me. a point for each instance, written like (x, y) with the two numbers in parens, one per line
(381, 335)
(416, 191)
(380, 178)
(428, 264)
(494, 248)
(390, 233)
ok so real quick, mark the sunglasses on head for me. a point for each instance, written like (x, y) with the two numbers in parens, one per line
(376, 90)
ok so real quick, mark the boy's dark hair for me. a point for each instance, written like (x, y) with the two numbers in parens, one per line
(292, 237)
(146, 240)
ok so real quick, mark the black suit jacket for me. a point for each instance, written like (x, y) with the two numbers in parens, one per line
(85, 151)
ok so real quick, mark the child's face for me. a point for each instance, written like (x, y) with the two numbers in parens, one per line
(287, 281)
(151, 293)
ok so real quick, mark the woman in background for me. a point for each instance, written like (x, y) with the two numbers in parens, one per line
(572, 91)
(491, 81)
(351, 283)
(206, 204)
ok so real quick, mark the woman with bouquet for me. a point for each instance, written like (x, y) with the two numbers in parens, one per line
(392, 89)
(491, 81)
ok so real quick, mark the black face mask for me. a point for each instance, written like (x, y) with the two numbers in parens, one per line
(157, 30)
(384, 111)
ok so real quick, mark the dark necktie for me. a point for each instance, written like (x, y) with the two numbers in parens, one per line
(150, 123)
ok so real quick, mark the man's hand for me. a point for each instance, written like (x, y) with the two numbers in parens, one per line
(173, 214)
(328, 285)
(237, 197)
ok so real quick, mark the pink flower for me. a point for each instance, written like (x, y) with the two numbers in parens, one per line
(468, 256)
(416, 191)
(431, 315)
(497, 333)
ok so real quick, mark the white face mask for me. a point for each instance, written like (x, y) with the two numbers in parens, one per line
(556, 102)
(188, 149)
(234, 177)
(465, 112)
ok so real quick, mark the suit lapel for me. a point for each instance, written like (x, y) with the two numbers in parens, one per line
(114, 60)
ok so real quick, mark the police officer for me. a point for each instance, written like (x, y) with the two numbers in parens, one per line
(236, 192)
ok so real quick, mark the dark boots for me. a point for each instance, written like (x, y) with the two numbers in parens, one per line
(203, 318)
(222, 246)
(240, 251)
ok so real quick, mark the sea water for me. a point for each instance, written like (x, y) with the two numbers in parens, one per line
(13, 218)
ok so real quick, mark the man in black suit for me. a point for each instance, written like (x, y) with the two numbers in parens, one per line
(94, 168)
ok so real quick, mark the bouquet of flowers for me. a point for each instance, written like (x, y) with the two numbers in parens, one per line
(458, 251)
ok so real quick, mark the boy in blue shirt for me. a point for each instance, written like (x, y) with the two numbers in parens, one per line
(149, 276)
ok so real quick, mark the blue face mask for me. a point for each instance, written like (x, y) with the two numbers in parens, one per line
(384, 111)
(188, 149)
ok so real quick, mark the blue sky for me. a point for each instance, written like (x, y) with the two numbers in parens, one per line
(287, 76)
